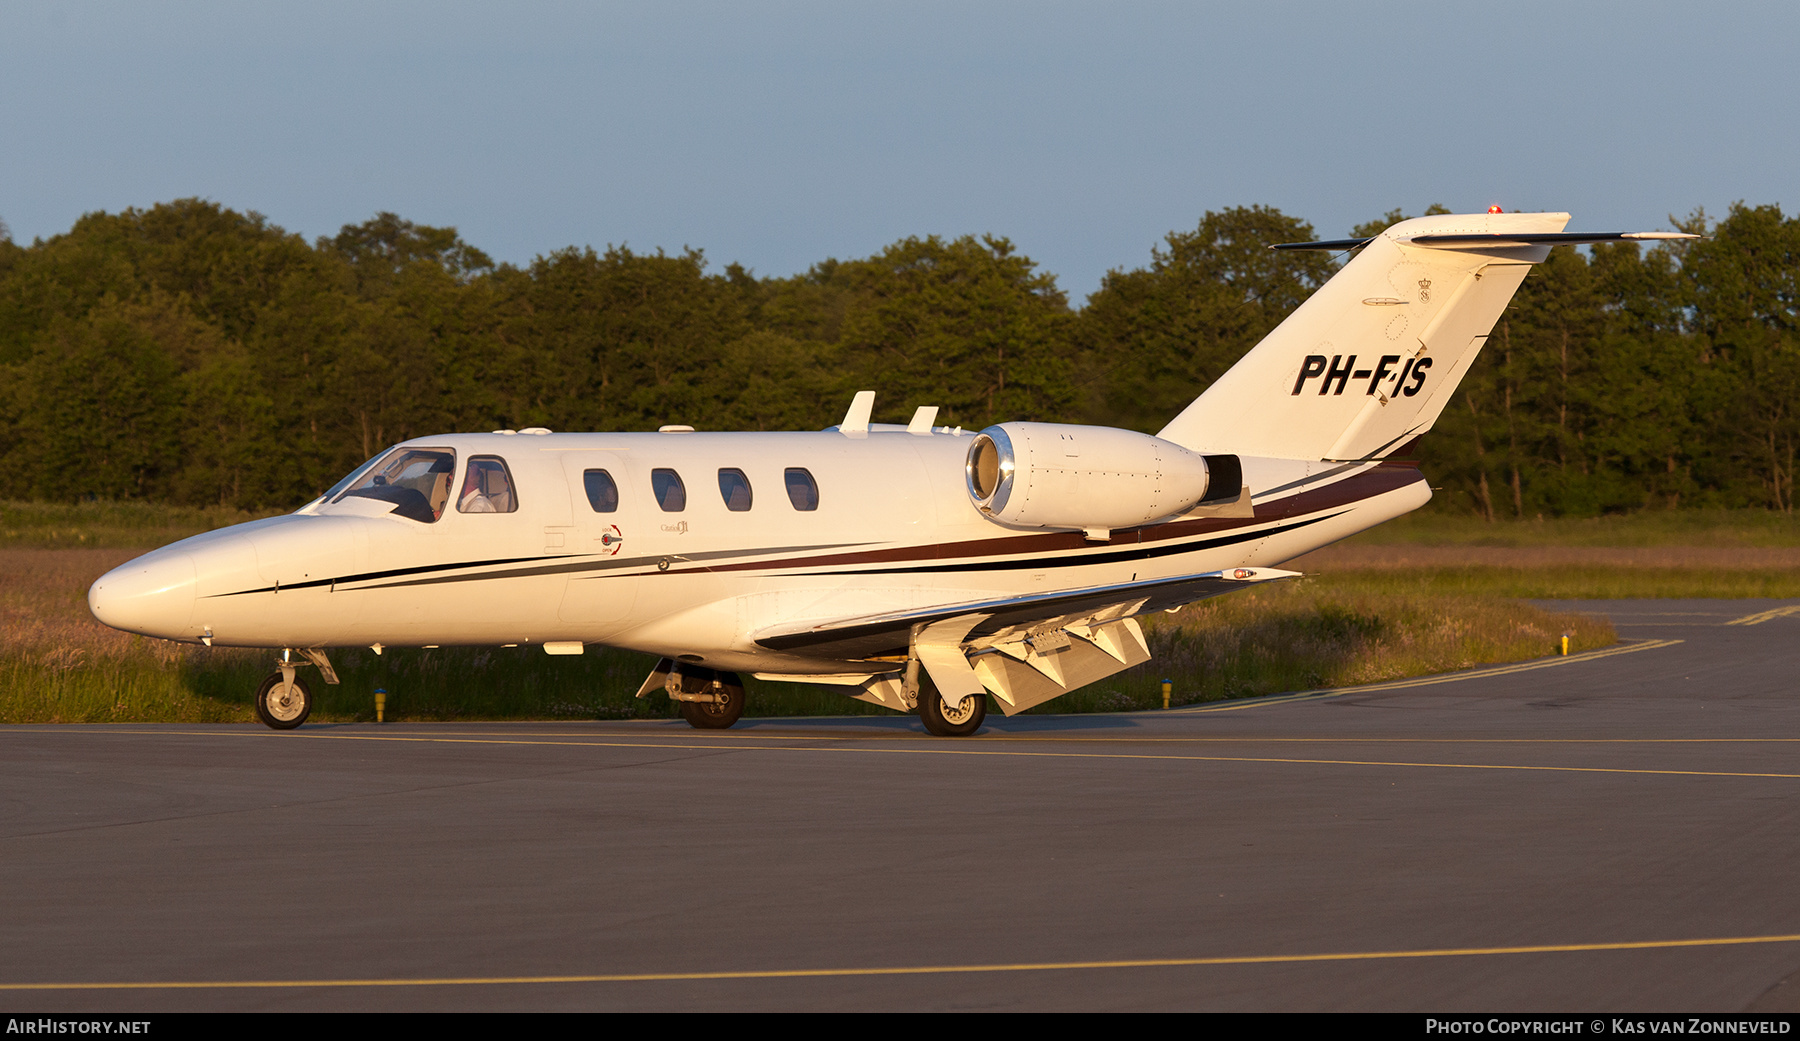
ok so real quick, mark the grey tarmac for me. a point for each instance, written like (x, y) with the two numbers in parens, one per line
(1610, 832)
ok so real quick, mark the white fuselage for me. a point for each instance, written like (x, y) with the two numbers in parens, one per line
(894, 529)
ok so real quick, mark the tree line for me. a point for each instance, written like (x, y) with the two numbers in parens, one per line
(191, 354)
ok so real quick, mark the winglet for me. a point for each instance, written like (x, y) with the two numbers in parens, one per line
(856, 421)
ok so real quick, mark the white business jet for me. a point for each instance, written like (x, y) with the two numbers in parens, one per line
(918, 567)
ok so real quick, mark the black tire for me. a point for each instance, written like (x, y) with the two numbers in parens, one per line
(282, 714)
(943, 720)
(712, 715)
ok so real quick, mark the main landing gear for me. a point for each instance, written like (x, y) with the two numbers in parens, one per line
(945, 719)
(709, 700)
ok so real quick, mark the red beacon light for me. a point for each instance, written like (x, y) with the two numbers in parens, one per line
(1495, 209)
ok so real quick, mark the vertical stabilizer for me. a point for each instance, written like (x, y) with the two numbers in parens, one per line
(1369, 360)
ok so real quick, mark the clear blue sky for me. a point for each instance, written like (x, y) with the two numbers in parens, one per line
(779, 134)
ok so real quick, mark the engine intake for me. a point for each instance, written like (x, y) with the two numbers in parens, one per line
(1062, 475)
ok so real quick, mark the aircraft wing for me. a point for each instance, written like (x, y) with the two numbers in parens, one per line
(1025, 649)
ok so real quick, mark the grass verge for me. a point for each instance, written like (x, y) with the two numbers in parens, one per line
(1692, 528)
(1572, 582)
(110, 525)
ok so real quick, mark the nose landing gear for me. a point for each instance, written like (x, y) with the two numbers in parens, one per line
(283, 701)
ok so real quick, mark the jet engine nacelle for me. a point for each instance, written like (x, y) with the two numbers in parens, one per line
(1061, 475)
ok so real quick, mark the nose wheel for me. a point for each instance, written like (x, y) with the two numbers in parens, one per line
(283, 701)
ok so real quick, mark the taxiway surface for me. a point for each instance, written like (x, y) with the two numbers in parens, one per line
(1617, 831)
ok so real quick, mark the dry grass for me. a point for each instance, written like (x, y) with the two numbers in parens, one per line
(57, 664)
(1351, 556)
(43, 599)
(1703, 527)
(110, 525)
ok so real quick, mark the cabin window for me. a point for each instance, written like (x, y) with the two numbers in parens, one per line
(487, 487)
(670, 493)
(734, 488)
(415, 480)
(802, 490)
(602, 493)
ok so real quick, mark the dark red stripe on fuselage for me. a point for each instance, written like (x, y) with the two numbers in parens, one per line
(1074, 548)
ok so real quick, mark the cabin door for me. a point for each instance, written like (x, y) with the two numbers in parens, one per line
(598, 542)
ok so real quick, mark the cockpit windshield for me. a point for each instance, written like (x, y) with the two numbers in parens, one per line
(331, 494)
(415, 480)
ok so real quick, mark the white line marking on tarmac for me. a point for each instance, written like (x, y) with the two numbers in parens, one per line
(1426, 681)
(1765, 616)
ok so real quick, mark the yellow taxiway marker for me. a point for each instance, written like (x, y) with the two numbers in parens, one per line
(1765, 616)
(907, 970)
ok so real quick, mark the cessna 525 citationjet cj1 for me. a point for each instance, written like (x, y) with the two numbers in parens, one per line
(918, 567)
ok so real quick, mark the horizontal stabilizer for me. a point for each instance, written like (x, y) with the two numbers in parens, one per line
(1563, 238)
(1325, 245)
(1568, 238)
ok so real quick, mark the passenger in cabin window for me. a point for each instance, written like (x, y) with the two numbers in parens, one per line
(487, 487)
(734, 488)
(671, 494)
(802, 490)
(602, 492)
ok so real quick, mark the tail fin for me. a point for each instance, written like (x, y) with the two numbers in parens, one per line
(1369, 360)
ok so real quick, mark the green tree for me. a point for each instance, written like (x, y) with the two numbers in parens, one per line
(100, 412)
(1158, 336)
(382, 247)
(969, 325)
(1743, 285)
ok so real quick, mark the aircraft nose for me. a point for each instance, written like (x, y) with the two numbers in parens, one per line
(152, 595)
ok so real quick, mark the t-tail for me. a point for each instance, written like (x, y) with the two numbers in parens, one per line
(1369, 361)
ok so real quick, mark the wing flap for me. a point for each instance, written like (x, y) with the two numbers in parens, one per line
(889, 633)
(1043, 674)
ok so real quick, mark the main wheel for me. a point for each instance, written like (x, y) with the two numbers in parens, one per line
(950, 720)
(281, 705)
(713, 715)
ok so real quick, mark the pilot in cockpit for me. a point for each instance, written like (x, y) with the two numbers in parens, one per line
(486, 488)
